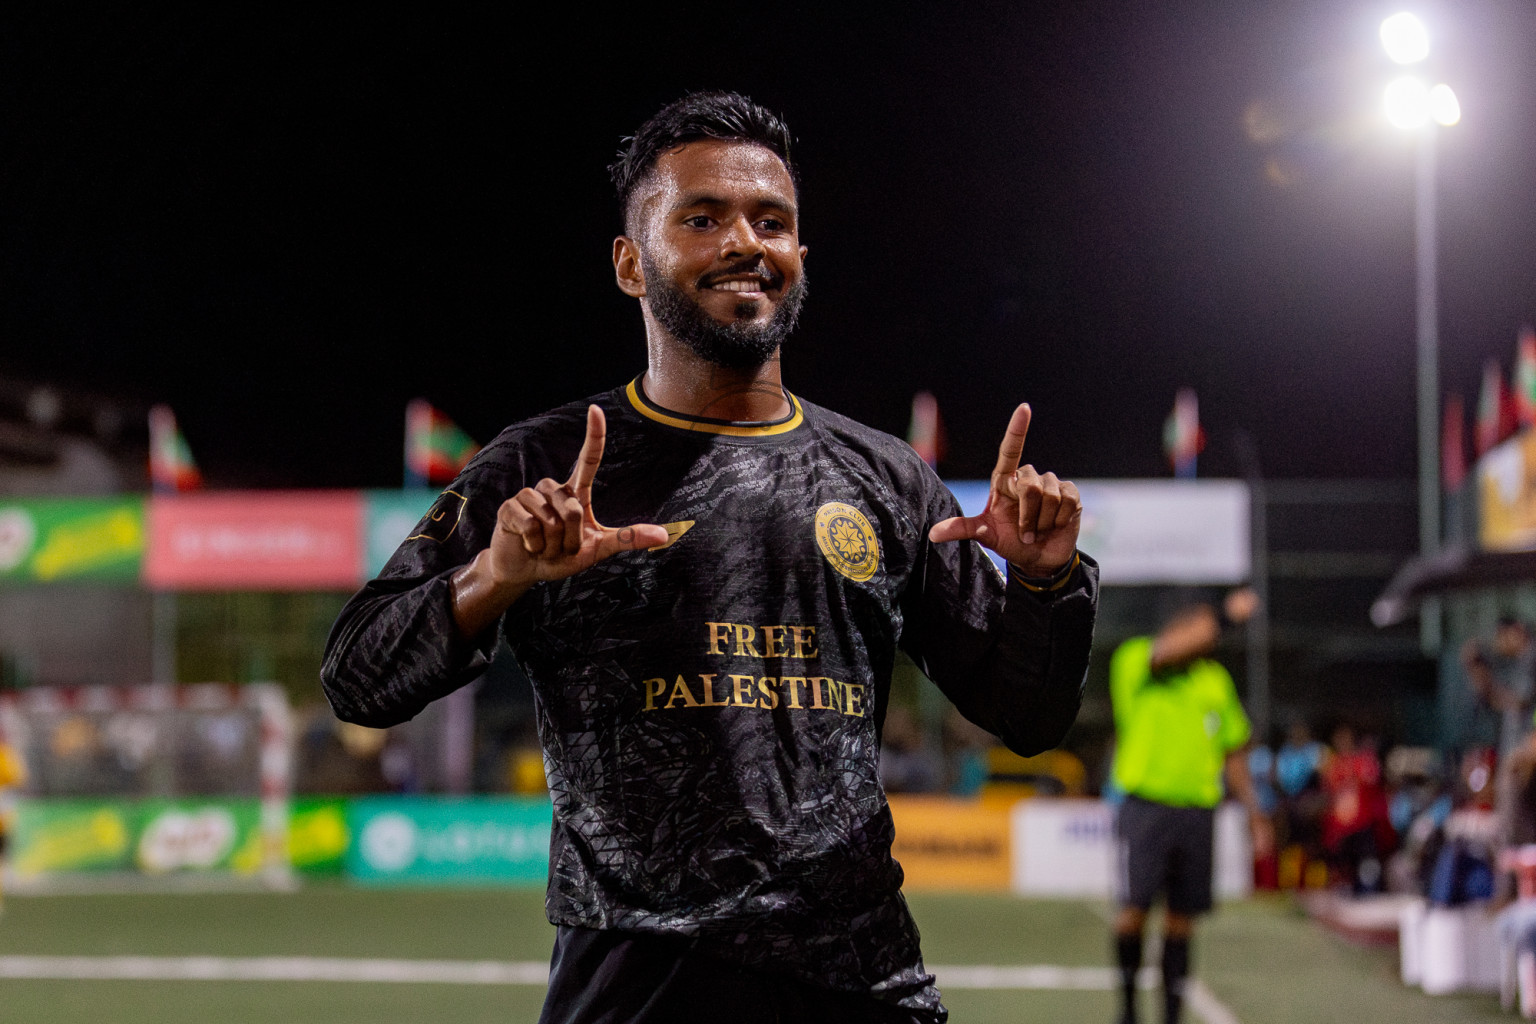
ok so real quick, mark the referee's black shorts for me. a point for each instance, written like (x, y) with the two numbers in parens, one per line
(1166, 851)
(613, 977)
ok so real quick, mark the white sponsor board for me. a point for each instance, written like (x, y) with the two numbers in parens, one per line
(1156, 531)
(1067, 848)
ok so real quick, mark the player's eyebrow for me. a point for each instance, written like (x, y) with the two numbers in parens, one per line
(769, 200)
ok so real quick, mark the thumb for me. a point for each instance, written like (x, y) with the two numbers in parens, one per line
(958, 528)
(630, 538)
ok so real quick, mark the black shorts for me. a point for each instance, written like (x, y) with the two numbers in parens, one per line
(613, 977)
(1164, 850)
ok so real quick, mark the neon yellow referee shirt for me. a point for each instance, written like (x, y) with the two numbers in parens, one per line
(1173, 731)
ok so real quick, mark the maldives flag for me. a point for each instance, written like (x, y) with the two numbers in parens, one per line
(170, 460)
(1453, 445)
(926, 431)
(1525, 378)
(435, 448)
(1183, 437)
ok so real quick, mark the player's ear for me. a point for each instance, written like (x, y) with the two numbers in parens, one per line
(803, 251)
(627, 271)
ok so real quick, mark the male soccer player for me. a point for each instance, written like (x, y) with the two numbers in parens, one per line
(1178, 723)
(712, 658)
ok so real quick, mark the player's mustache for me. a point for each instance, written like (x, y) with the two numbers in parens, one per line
(753, 267)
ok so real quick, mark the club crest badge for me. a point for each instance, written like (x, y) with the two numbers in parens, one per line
(848, 541)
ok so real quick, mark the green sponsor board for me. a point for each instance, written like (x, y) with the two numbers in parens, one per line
(56, 539)
(148, 836)
(391, 518)
(463, 840)
(317, 834)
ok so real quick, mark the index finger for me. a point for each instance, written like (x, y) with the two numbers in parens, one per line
(1012, 449)
(591, 455)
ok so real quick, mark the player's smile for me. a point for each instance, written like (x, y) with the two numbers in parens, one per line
(757, 284)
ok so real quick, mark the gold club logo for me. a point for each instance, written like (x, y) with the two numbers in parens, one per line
(847, 540)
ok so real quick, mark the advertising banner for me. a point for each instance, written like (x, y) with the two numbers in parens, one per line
(391, 518)
(317, 835)
(52, 540)
(449, 841)
(1506, 497)
(155, 837)
(945, 843)
(1156, 531)
(1063, 847)
(1067, 848)
(267, 540)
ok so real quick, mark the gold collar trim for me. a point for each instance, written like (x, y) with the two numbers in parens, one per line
(651, 412)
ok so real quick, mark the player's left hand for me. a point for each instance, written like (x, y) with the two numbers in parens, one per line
(1031, 519)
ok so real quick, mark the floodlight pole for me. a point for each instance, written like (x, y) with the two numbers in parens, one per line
(1428, 376)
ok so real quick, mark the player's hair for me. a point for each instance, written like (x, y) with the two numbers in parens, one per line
(699, 115)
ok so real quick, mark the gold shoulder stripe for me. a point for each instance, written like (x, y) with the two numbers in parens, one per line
(442, 518)
(674, 532)
(651, 412)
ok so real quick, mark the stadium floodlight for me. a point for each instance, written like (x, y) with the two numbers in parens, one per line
(1405, 38)
(1407, 102)
(1443, 105)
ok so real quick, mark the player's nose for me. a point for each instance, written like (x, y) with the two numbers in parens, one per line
(740, 239)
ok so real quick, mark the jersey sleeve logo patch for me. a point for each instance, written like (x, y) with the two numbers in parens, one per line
(441, 519)
(848, 541)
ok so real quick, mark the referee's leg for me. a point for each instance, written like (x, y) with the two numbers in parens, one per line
(1141, 847)
(1189, 896)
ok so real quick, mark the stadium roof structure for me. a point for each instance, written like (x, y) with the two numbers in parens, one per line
(1457, 567)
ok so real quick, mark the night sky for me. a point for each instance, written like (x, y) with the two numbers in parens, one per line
(286, 226)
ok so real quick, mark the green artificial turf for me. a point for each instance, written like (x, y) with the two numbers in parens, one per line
(1265, 961)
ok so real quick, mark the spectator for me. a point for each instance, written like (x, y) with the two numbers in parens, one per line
(1298, 766)
(1502, 678)
(907, 764)
(1357, 831)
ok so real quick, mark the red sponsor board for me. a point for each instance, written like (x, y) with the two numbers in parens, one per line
(267, 540)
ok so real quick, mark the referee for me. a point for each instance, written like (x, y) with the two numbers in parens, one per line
(1178, 724)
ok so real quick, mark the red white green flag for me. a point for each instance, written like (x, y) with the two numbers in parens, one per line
(170, 460)
(1495, 409)
(1183, 437)
(1525, 378)
(926, 431)
(435, 448)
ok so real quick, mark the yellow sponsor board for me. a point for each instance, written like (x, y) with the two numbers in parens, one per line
(1506, 483)
(90, 543)
(946, 843)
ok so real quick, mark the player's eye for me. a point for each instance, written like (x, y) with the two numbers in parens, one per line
(772, 224)
(698, 221)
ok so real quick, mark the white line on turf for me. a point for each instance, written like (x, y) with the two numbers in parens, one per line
(528, 972)
(274, 968)
(1204, 1004)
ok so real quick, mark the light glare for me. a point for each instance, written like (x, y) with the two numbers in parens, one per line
(1405, 38)
(1407, 103)
(1443, 106)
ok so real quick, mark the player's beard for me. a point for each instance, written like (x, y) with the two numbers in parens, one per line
(742, 344)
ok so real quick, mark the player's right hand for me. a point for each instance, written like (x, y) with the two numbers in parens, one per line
(544, 532)
(548, 531)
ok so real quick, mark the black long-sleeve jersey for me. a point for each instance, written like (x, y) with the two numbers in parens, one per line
(710, 709)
